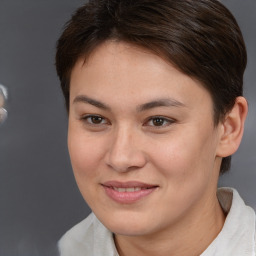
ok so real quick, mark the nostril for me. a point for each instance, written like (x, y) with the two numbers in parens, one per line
(126, 163)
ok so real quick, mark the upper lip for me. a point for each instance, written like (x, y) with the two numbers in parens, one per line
(128, 184)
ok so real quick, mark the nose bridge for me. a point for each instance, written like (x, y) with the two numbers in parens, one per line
(122, 137)
(125, 152)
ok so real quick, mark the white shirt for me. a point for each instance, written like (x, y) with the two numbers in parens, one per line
(237, 237)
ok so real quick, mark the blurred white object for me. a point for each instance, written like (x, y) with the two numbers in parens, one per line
(3, 98)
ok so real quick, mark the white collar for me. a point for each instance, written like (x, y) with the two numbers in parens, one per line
(237, 237)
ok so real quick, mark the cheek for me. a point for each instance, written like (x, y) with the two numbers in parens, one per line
(84, 154)
(187, 156)
(186, 167)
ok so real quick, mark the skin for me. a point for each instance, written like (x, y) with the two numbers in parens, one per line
(172, 144)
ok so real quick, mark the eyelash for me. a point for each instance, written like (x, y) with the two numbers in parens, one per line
(100, 120)
(86, 119)
(164, 121)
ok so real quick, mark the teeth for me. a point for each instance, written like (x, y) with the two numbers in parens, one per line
(127, 189)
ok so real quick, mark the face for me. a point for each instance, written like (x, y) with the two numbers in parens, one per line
(141, 139)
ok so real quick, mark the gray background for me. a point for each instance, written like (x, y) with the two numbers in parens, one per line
(39, 199)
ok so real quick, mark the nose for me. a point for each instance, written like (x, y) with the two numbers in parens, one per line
(126, 151)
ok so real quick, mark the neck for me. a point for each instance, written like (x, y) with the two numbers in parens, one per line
(190, 237)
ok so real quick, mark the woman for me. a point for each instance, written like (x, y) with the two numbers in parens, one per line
(154, 95)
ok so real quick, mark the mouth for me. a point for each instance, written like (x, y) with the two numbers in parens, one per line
(128, 189)
(128, 192)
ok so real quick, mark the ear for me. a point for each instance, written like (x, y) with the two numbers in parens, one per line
(232, 128)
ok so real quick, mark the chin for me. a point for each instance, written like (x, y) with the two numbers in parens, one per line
(127, 224)
(126, 230)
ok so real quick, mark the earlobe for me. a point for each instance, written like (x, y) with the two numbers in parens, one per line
(232, 128)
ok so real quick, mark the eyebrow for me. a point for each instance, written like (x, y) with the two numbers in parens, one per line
(96, 103)
(168, 102)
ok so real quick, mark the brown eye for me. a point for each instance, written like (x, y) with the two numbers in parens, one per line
(159, 121)
(94, 119)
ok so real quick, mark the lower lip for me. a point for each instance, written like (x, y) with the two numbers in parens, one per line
(128, 197)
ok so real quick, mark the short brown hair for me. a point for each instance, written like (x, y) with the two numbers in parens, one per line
(201, 38)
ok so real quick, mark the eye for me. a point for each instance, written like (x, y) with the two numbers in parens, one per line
(159, 121)
(94, 120)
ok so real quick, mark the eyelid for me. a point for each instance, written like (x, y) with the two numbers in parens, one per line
(84, 118)
(166, 119)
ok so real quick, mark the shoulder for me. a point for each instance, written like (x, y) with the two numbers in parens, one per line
(89, 237)
(73, 241)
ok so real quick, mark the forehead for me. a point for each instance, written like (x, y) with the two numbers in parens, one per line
(118, 68)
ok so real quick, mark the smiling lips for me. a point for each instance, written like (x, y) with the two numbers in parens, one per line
(127, 192)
